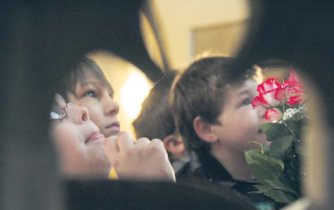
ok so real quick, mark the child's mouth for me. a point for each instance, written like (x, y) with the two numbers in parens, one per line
(94, 137)
(115, 127)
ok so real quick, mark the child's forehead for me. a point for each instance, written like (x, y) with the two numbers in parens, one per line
(245, 86)
(89, 77)
(87, 74)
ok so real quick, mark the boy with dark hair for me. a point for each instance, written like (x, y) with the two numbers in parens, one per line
(217, 122)
(156, 121)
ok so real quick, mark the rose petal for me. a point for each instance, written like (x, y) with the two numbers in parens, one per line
(273, 115)
(280, 94)
(259, 100)
(294, 100)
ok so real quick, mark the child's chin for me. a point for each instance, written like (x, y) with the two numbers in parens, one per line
(111, 132)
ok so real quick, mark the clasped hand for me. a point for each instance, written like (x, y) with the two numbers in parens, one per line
(140, 160)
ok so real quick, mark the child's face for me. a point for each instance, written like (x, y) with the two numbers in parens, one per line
(91, 93)
(79, 144)
(239, 121)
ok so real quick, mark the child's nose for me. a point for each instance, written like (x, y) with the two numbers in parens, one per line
(111, 106)
(84, 116)
(78, 114)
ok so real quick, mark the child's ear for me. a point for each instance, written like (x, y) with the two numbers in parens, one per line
(174, 145)
(204, 130)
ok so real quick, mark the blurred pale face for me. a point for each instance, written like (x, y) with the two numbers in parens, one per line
(103, 110)
(239, 121)
(79, 144)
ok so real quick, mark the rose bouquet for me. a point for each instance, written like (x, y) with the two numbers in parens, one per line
(277, 168)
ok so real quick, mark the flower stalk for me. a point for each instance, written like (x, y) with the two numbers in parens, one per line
(279, 171)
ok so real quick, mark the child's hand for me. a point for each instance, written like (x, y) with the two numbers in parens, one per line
(142, 159)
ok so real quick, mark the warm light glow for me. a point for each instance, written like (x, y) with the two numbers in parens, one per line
(133, 92)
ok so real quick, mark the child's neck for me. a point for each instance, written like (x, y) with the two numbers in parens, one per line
(234, 163)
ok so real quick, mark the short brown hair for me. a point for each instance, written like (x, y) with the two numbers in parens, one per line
(155, 119)
(76, 74)
(200, 91)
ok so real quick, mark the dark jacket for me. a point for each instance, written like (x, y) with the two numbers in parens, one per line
(204, 167)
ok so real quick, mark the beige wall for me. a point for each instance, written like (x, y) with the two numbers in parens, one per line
(179, 18)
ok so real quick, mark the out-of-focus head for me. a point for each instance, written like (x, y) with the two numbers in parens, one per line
(155, 119)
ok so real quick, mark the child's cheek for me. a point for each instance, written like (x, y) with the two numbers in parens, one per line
(66, 131)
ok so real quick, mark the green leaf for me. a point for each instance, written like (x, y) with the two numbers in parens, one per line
(279, 185)
(268, 172)
(264, 148)
(277, 195)
(275, 130)
(280, 145)
(295, 126)
(262, 166)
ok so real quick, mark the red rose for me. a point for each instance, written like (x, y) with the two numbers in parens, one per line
(273, 115)
(294, 90)
(271, 93)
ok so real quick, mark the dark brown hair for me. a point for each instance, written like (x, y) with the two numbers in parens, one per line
(200, 91)
(155, 119)
(77, 74)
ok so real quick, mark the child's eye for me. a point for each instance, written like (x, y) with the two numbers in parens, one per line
(246, 102)
(90, 93)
